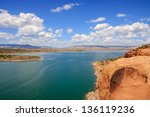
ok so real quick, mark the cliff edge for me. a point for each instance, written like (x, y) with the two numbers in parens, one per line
(126, 78)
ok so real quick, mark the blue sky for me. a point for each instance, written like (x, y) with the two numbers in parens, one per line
(75, 22)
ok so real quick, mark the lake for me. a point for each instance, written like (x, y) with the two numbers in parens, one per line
(59, 76)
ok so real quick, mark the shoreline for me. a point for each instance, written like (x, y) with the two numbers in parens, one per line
(18, 58)
(15, 54)
(46, 50)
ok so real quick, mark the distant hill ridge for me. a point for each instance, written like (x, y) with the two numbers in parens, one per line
(103, 46)
(18, 46)
(27, 46)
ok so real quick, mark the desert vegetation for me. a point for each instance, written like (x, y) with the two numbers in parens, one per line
(18, 58)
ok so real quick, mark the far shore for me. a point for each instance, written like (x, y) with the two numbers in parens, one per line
(18, 58)
(73, 49)
(14, 54)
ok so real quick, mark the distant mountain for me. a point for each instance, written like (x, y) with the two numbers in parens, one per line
(101, 46)
(27, 46)
(18, 46)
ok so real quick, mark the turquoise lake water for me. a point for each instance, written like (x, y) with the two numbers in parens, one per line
(59, 76)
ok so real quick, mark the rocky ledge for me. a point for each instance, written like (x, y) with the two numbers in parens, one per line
(126, 78)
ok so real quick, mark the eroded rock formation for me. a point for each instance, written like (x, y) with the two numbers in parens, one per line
(125, 78)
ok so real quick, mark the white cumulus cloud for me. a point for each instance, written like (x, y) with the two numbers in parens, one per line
(69, 30)
(121, 15)
(81, 37)
(99, 19)
(4, 35)
(101, 26)
(136, 33)
(27, 24)
(145, 19)
(64, 7)
(30, 29)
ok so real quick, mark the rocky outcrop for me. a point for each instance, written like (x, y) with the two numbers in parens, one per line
(138, 52)
(124, 78)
